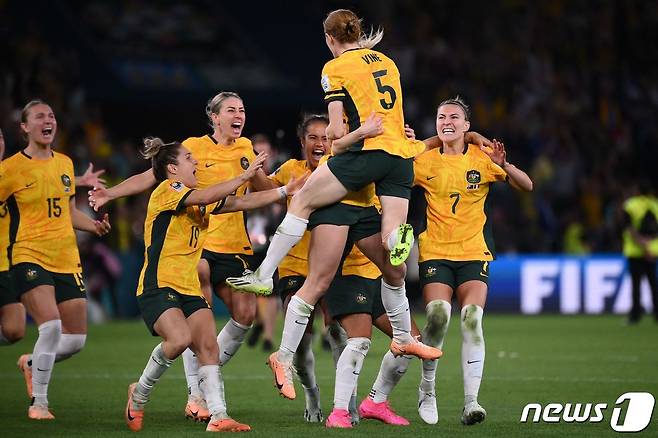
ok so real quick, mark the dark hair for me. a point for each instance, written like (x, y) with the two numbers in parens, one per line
(459, 102)
(161, 154)
(214, 105)
(302, 128)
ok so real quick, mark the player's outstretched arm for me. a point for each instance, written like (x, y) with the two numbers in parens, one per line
(217, 192)
(517, 178)
(98, 197)
(261, 199)
(83, 222)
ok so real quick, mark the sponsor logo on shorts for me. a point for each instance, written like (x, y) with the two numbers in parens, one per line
(244, 163)
(292, 282)
(361, 299)
(431, 270)
(31, 274)
(632, 412)
(171, 296)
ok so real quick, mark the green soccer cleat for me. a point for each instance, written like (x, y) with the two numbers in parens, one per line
(249, 282)
(400, 252)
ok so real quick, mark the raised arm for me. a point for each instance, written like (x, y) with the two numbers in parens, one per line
(517, 178)
(131, 186)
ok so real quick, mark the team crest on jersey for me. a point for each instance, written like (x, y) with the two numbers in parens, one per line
(178, 186)
(31, 274)
(325, 83)
(66, 180)
(473, 178)
(361, 299)
(431, 270)
(244, 162)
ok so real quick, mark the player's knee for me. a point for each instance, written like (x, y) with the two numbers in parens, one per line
(13, 333)
(179, 342)
(471, 322)
(394, 275)
(245, 315)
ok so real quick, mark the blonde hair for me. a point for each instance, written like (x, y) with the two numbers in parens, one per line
(161, 154)
(345, 26)
(214, 105)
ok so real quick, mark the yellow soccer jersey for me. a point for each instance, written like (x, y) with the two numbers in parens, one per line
(37, 194)
(366, 197)
(296, 262)
(227, 233)
(367, 81)
(358, 264)
(174, 238)
(456, 189)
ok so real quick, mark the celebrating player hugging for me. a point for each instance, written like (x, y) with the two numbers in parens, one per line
(342, 245)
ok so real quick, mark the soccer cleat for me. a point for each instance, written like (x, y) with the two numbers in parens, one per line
(339, 418)
(473, 413)
(382, 412)
(415, 348)
(227, 425)
(402, 248)
(134, 417)
(427, 407)
(26, 369)
(197, 410)
(282, 376)
(39, 413)
(313, 412)
(249, 282)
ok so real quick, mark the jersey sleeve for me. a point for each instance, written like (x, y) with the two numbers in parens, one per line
(420, 172)
(281, 176)
(172, 196)
(495, 172)
(332, 84)
(8, 182)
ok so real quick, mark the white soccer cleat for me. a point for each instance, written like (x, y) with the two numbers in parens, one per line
(427, 407)
(473, 413)
(249, 282)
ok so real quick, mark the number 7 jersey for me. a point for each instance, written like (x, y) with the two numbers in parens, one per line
(368, 81)
(456, 189)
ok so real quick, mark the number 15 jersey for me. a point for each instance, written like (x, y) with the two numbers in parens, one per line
(368, 81)
(37, 193)
(456, 189)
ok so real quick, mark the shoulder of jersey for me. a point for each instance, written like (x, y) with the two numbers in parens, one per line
(424, 156)
(62, 157)
(195, 141)
(477, 152)
(244, 142)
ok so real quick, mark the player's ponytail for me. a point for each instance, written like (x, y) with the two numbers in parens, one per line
(345, 27)
(372, 39)
(161, 154)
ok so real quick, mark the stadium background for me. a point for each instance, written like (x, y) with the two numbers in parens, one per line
(570, 86)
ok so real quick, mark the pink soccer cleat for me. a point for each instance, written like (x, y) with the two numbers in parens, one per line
(339, 418)
(382, 412)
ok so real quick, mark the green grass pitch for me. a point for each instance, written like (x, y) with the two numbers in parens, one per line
(529, 359)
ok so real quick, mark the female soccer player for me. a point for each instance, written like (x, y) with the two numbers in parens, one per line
(457, 246)
(227, 250)
(358, 83)
(171, 301)
(38, 188)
